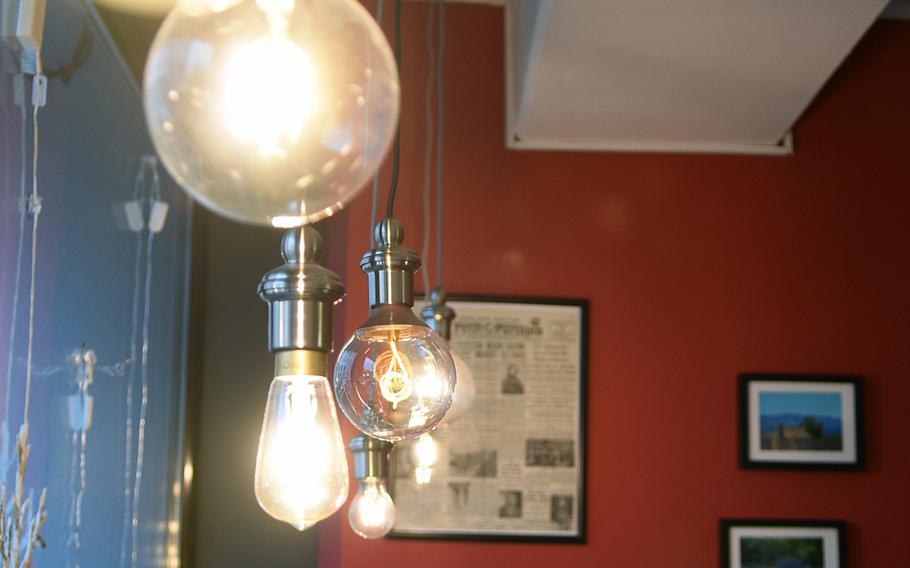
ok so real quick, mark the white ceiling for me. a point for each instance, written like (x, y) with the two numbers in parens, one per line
(680, 75)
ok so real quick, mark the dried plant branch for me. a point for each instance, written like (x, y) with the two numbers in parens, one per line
(20, 526)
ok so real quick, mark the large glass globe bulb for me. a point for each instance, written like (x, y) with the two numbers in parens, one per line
(271, 111)
(395, 378)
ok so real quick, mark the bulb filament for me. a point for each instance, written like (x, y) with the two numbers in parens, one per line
(393, 372)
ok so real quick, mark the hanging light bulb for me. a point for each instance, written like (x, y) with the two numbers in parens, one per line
(271, 111)
(438, 316)
(301, 468)
(372, 512)
(424, 453)
(394, 378)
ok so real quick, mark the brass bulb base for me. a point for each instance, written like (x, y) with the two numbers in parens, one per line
(302, 362)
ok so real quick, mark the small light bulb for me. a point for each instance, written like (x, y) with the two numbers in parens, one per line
(372, 513)
(425, 451)
(424, 454)
(301, 467)
(394, 378)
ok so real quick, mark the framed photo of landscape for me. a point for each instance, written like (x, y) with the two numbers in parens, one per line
(750, 543)
(512, 466)
(801, 421)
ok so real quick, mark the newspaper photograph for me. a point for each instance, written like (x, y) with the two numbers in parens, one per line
(511, 466)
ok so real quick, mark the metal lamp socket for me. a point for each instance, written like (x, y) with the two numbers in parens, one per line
(438, 315)
(301, 294)
(371, 457)
(390, 266)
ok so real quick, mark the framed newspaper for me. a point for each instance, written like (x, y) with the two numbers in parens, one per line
(512, 467)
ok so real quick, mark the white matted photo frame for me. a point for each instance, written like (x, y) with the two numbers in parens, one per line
(749, 543)
(512, 467)
(801, 421)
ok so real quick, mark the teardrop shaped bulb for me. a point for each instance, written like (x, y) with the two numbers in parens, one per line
(301, 467)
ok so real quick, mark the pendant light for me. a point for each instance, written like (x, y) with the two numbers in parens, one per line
(274, 112)
(424, 452)
(372, 513)
(437, 314)
(394, 378)
(301, 467)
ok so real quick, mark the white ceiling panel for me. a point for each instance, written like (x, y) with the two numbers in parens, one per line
(672, 75)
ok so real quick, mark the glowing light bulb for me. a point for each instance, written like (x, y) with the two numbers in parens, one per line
(269, 127)
(394, 378)
(301, 467)
(372, 512)
(465, 391)
(424, 454)
(271, 111)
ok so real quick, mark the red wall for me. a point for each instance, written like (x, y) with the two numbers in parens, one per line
(697, 268)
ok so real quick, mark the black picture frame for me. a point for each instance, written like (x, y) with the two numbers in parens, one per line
(580, 535)
(751, 456)
(726, 527)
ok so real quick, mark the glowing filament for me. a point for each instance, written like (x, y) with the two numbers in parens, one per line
(269, 92)
(393, 372)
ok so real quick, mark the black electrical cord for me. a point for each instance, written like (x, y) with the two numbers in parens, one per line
(396, 149)
(440, 118)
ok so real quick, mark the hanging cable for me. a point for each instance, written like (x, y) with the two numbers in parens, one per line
(7, 450)
(374, 202)
(39, 95)
(396, 150)
(428, 143)
(440, 119)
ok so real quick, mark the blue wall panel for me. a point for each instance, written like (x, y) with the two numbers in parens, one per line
(103, 285)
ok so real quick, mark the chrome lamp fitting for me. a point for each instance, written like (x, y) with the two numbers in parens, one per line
(300, 295)
(371, 457)
(390, 267)
(438, 315)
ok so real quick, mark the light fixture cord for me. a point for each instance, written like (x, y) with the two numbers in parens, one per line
(14, 309)
(435, 79)
(396, 150)
(440, 118)
(34, 207)
(428, 143)
(374, 204)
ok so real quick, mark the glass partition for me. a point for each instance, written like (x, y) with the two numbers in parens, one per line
(105, 403)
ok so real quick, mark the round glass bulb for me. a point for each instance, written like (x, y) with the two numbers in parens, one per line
(395, 378)
(301, 466)
(372, 512)
(271, 111)
(465, 391)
